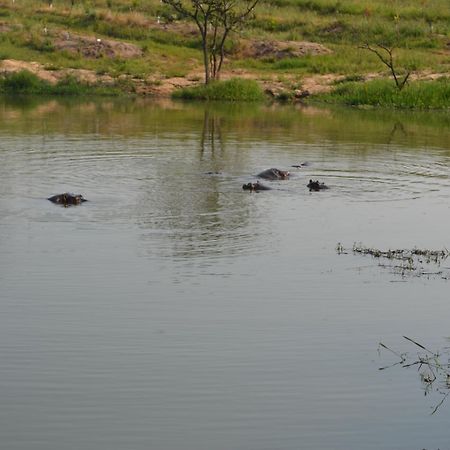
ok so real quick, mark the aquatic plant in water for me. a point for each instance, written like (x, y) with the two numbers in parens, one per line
(433, 373)
(413, 262)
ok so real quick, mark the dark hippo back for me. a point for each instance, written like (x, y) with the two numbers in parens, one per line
(274, 174)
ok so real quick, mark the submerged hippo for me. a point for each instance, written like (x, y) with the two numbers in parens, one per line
(316, 185)
(274, 174)
(255, 187)
(67, 199)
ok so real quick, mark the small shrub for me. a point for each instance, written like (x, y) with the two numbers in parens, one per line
(22, 82)
(284, 96)
(235, 89)
(25, 82)
(70, 86)
(40, 44)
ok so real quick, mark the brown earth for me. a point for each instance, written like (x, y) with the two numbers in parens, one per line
(4, 27)
(91, 47)
(281, 49)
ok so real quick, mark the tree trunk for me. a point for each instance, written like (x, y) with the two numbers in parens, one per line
(206, 61)
(222, 50)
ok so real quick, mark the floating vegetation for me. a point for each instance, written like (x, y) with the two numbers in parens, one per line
(414, 262)
(434, 374)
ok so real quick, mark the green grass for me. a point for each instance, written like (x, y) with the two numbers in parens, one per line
(27, 83)
(384, 93)
(418, 29)
(235, 89)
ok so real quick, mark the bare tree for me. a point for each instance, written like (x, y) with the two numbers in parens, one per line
(215, 20)
(385, 54)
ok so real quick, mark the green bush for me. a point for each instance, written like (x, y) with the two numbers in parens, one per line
(235, 89)
(70, 86)
(25, 82)
(22, 82)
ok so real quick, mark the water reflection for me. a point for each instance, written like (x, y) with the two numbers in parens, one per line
(195, 201)
(290, 123)
(211, 138)
(398, 128)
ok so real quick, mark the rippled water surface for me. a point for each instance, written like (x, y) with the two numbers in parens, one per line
(173, 310)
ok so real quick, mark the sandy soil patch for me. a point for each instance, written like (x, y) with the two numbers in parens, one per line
(4, 27)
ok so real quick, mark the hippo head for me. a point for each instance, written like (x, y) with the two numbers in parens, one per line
(316, 185)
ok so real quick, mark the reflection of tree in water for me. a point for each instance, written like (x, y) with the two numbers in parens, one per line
(211, 137)
(196, 206)
(433, 369)
(398, 128)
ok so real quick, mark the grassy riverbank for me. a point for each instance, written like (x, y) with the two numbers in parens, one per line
(27, 83)
(418, 94)
(142, 47)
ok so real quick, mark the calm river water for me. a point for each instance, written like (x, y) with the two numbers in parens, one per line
(174, 311)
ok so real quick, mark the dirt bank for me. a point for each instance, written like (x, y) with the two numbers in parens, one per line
(159, 85)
